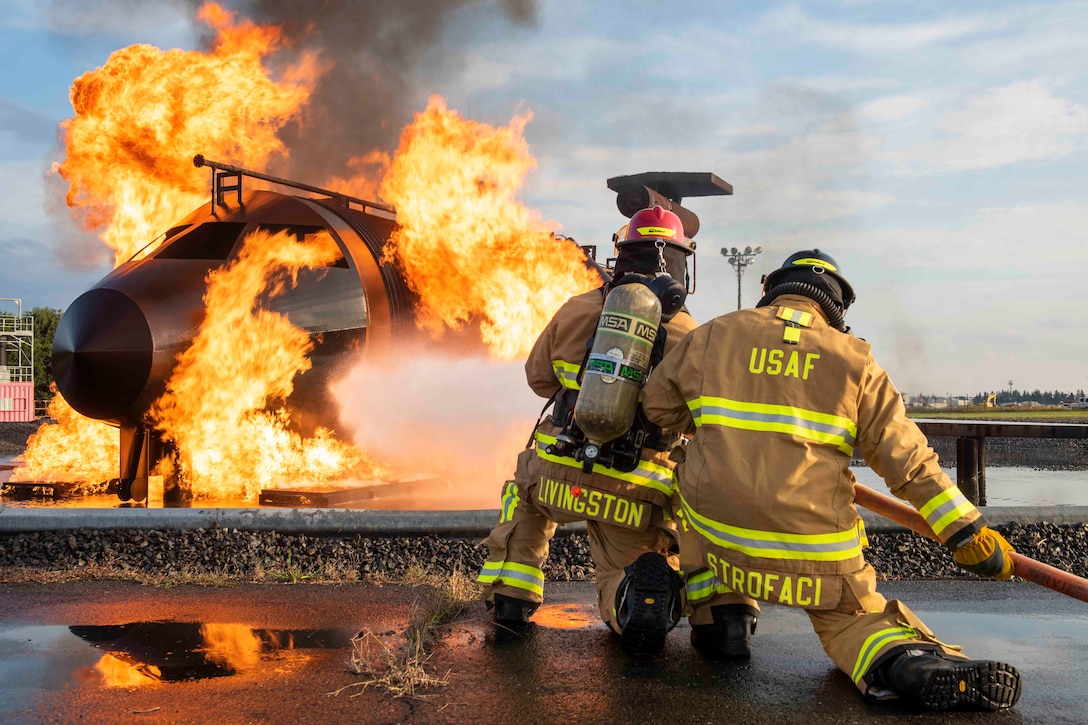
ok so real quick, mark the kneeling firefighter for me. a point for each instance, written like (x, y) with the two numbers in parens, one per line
(595, 458)
(778, 399)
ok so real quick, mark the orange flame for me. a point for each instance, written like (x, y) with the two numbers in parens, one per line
(241, 359)
(141, 118)
(74, 449)
(476, 257)
(470, 250)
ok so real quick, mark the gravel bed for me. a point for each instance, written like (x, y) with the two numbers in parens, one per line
(271, 556)
(14, 434)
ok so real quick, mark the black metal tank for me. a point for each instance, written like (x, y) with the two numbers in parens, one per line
(117, 344)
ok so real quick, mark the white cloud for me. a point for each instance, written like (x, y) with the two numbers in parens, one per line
(1025, 238)
(137, 18)
(22, 205)
(892, 108)
(890, 38)
(1047, 39)
(1016, 123)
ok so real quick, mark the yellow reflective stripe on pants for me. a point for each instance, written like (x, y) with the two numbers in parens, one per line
(836, 546)
(513, 574)
(944, 508)
(509, 502)
(875, 643)
(567, 373)
(646, 474)
(702, 586)
(820, 427)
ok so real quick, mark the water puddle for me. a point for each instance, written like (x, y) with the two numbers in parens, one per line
(146, 653)
(567, 616)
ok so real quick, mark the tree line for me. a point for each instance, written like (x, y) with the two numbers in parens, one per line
(1043, 397)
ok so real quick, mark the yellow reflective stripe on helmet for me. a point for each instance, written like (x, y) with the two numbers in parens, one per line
(567, 373)
(509, 501)
(836, 546)
(814, 262)
(804, 319)
(820, 427)
(646, 474)
(944, 508)
(875, 643)
(513, 574)
(656, 231)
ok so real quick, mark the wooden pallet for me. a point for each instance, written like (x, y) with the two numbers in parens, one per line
(379, 494)
(24, 490)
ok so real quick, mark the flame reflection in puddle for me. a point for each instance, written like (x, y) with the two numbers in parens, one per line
(567, 616)
(145, 653)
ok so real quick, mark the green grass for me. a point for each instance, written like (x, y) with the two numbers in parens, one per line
(975, 412)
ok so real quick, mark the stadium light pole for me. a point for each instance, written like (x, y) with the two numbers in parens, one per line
(740, 260)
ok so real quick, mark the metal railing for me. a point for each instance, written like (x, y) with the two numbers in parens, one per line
(971, 445)
(11, 324)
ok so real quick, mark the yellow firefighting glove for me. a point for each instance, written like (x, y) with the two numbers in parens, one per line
(986, 554)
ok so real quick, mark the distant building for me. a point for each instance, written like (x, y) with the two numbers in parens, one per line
(16, 364)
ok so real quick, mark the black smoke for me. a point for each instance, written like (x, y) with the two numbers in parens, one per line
(380, 54)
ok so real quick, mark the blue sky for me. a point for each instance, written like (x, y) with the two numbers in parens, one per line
(936, 150)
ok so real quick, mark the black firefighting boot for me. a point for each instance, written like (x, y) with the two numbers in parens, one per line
(648, 605)
(511, 611)
(936, 682)
(730, 636)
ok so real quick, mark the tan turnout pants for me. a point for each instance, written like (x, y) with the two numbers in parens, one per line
(858, 632)
(518, 545)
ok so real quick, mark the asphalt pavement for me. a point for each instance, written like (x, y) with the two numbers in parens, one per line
(119, 652)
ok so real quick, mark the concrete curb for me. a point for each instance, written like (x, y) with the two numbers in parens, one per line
(365, 522)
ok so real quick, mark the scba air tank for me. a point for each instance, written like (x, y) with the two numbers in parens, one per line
(617, 366)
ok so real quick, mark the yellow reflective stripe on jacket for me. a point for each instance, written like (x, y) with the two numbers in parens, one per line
(513, 574)
(876, 642)
(837, 546)
(944, 508)
(820, 427)
(804, 319)
(646, 474)
(567, 373)
(509, 501)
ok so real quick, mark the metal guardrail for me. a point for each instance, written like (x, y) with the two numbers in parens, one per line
(475, 524)
(971, 445)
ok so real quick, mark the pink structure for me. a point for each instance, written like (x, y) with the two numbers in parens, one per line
(16, 401)
(16, 363)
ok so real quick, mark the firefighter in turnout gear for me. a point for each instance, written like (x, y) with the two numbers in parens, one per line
(778, 399)
(622, 489)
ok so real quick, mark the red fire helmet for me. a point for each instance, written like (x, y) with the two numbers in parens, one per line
(653, 225)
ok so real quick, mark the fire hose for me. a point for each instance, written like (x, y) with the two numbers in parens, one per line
(1024, 567)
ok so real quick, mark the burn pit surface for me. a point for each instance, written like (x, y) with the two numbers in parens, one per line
(376, 494)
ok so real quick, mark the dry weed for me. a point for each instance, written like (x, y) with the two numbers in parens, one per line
(401, 670)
